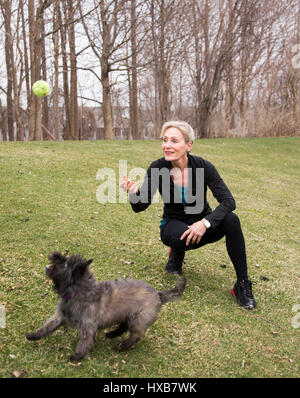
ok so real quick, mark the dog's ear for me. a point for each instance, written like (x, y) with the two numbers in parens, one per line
(78, 265)
(83, 266)
(89, 262)
(56, 257)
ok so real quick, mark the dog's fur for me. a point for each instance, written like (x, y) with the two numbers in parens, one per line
(89, 305)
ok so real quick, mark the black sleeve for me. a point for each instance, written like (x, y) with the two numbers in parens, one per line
(143, 198)
(221, 193)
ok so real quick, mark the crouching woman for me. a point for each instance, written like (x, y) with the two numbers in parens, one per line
(188, 221)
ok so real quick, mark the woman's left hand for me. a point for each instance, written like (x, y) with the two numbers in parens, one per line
(194, 233)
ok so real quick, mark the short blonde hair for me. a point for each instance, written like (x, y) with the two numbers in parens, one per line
(186, 130)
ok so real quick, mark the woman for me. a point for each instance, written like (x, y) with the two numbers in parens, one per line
(185, 224)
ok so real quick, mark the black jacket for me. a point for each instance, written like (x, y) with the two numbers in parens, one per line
(154, 180)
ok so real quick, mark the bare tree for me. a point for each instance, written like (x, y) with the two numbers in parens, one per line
(9, 58)
(233, 37)
(63, 34)
(110, 33)
(45, 104)
(36, 51)
(219, 30)
(3, 122)
(74, 133)
(55, 38)
(133, 87)
(165, 48)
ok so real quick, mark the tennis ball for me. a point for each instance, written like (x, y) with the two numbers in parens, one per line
(41, 88)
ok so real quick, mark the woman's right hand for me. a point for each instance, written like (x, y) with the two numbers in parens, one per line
(129, 186)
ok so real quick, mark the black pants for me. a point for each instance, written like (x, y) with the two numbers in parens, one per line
(230, 227)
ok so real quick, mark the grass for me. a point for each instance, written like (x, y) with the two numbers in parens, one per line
(48, 201)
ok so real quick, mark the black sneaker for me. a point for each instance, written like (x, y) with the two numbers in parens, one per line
(174, 265)
(242, 291)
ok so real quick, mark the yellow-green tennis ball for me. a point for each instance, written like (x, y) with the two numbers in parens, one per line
(41, 88)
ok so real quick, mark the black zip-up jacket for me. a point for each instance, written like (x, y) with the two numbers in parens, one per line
(156, 179)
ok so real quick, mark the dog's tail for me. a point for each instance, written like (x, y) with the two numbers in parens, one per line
(173, 294)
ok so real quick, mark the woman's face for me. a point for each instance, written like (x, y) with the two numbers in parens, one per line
(174, 145)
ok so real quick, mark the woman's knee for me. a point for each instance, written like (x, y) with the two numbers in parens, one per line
(177, 244)
(171, 235)
(231, 222)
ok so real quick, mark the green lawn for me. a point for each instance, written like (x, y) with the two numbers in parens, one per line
(48, 201)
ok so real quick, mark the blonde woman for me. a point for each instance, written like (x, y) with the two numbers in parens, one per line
(188, 221)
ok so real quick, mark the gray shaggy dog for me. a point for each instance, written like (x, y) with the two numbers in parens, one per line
(89, 305)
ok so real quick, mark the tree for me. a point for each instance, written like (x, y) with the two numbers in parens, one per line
(167, 43)
(55, 38)
(36, 51)
(108, 36)
(74, 131)
(219, 30)
(9, 58)
(133, 87)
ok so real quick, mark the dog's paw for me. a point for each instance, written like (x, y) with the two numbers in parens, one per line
(110, 335)
(125, 345)
(32, 337)
(76, 357)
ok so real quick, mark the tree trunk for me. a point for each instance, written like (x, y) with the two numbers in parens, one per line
(229, 103)
(36, 41)
(67, 125)
(3, 122)
(106, 105)
(73, 82)
(55, 92)
(134, 91)
(26, 60)
(17, 86)
(163, 74)
(157, 124)
(6, 11)
(38, 44)
(204, 119)
(32, 100)
(45, 106)
(197, 67)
